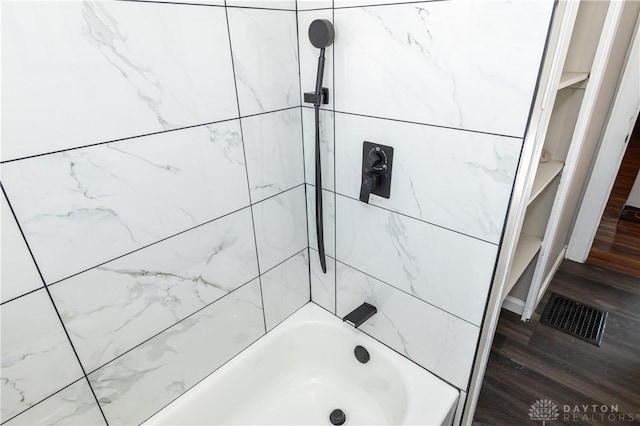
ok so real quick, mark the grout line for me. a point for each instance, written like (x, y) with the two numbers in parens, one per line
(174, 235)
(193, 313)
(53, 303)
(389, 4)
(207, 5)
(315, 9)
(246, 168)
(172, 325)
(404, 215)
(22, 295)
(42, 400)
(173, 3)
(335, 201)
(405, 356)
(283, 261)
(279, 193)
(260, 8)
(144, 134)
(409, 294)
(304, 158)
(206, 376)
(149, 245)
(428, 124)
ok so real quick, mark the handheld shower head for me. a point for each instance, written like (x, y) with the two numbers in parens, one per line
(321, 33)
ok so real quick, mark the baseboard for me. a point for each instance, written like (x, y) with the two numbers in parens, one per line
(513, 304)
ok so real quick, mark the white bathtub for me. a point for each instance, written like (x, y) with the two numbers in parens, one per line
(304, 369)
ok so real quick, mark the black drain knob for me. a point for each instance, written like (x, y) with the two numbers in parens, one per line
(362, 354)
(337, 417)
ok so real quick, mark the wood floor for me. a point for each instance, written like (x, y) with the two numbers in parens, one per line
(617, 242)
(532, 361)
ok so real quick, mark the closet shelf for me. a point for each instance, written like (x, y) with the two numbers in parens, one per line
(544, 176)
(570, 78)
(528, 247)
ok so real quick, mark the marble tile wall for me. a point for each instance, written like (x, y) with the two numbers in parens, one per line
(449, 85)
(153, 209)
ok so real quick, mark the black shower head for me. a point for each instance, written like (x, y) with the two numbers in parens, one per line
(321, 33)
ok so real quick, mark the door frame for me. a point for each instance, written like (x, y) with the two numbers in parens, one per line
(622, 118)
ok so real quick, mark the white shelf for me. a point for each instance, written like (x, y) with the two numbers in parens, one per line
(544, 175)
(528, 247)
(570, 78)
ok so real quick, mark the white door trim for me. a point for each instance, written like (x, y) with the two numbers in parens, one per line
(624, 113)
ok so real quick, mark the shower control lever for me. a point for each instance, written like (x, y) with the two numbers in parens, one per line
(377, 161)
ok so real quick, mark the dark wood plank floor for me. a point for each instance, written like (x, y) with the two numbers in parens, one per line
(617, 242)
(532, 361)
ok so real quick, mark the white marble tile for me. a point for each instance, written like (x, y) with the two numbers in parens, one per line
(281, 227)
(273, 147)
(329, 220)
(455, 179)
(323, 285)
(285, 289)
(266, 4)
(314, 4)
(326, 147)
(138, 384)
(440, 342)
(309, 56)
(110, 70)
(463, 64)
(416, 257)
(19, 273)
(74, 405)
(265, 55)
(112, 308)
(37, 358)
(90, 205)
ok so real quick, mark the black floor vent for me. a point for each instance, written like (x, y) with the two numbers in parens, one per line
(575, 318)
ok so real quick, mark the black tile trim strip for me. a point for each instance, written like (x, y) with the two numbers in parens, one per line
(410, 217)
(55, 308)
(147, 134)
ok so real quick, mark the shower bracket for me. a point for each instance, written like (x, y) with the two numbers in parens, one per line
(312, 98)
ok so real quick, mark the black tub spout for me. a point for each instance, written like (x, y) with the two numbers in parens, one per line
(359, 315)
